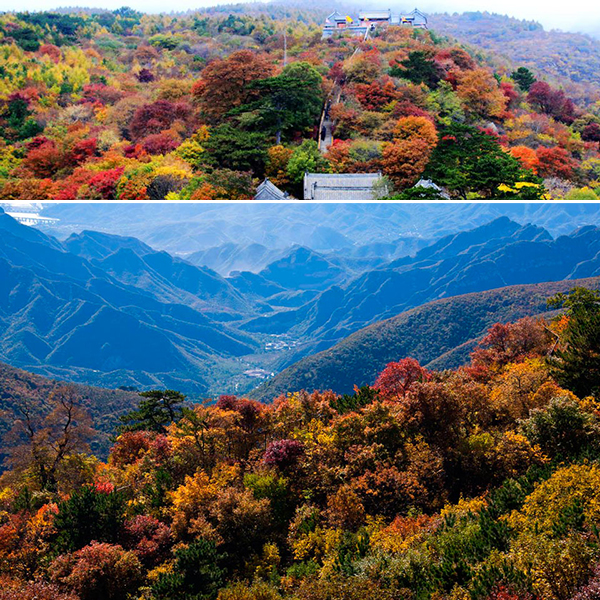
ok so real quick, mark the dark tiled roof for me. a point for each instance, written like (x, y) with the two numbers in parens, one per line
(269, 191)
(340, 186)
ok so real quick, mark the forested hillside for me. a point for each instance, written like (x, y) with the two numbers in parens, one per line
(566, 58)
(439, 334)
(24, 393)
(103, 105)
(479, 484)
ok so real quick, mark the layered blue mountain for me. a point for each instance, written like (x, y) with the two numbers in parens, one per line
(133, 317)
(231, 257)
(111, 310)
(304, 269)
(223, 232)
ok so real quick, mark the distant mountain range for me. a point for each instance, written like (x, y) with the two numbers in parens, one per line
(110, 310)
(498, 254)
(133, 317)
(220, 230)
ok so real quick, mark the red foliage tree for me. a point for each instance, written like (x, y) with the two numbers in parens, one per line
(374, 96)
(454, 57)
(508, 89)
(105, 183)
(591, 133)
(104, 94)
(225, 81)
(148, 538)
(158, 116)
(505, 593)
(555, 162)
(406, 108)
(37, 142)
(396, 380)
(133, 151)
(98, 572)
(508, 343)
(551, 102)
(44, 159)
(159, 143)
(68, 189)
(130, 447)
(283, 454)
(52, 51)
(82, 150)
(145, 76)
(338, 156)
(336, 73)
(249, 410)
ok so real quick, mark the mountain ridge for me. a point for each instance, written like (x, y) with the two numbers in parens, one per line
(444, 342)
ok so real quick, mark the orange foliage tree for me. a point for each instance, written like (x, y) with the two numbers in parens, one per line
(527, 157)
(481, 94)
(404, 161)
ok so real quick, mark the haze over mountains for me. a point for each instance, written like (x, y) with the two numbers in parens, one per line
(498, 254)
(111, 310)
(185, 228)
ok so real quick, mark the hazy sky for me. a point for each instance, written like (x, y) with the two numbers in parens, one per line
(561, 14)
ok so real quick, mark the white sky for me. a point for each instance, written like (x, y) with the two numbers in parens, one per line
(574, 15)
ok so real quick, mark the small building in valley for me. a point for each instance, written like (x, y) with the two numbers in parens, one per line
(343, 186)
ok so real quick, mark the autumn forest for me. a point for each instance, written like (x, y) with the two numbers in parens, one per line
(124, 105)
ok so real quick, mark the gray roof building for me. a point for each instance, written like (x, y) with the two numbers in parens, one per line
(341, 186)
(375, 15)
(269, 191)
(435, 189)
(337, 24)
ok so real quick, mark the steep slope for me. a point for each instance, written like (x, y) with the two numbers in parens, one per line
(18, 387)
(132, 262)
(439, 334)
(64, 316)
(174, 280)
(95, 244)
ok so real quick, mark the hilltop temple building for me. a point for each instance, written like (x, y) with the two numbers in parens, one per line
(370, 19)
